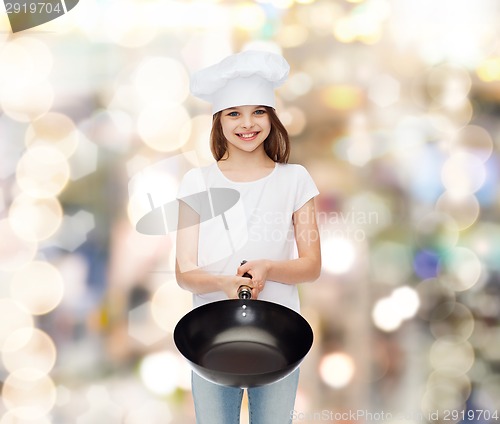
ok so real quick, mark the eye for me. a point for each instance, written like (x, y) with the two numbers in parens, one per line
(260, 112)
(233, 113)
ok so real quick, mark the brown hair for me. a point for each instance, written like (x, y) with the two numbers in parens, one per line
(276, 145)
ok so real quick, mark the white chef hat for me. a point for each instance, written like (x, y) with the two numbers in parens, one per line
(246, 78)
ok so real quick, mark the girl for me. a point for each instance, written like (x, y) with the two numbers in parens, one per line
(273, 225)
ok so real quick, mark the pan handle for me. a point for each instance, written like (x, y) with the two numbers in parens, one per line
(245, 292)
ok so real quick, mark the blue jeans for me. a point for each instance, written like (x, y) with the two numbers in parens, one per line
(270, 404)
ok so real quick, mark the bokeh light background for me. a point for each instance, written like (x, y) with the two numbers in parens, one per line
(392, 105)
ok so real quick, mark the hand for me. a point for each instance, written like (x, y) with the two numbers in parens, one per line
(230, 284)
(258, 270)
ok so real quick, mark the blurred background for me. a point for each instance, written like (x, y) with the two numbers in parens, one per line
(392, 105)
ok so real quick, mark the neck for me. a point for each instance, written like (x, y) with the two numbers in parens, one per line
(242, 159)
(239, 168)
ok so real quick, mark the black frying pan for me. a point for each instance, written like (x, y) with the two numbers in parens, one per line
(243, 342)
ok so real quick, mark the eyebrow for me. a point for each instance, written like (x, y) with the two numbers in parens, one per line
(239, 107)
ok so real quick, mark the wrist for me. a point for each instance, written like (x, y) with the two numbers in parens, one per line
(268, 264)
(222, 282)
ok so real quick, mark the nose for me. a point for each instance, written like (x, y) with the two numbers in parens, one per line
(247, 121)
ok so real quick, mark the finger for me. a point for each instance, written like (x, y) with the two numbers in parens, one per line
(242, 269)
(256, 291)
(246, 274)
(258, 283)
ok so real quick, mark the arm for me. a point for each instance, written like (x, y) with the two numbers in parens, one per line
(306, 267)
(189, 276)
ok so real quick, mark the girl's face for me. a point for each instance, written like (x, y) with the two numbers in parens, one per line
(245, 127)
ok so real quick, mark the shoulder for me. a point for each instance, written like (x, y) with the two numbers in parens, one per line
(195, 178)
(298, 176)
(199, 172)
(292, 169)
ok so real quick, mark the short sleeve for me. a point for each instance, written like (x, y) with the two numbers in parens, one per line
(192, 183)
(306, 188)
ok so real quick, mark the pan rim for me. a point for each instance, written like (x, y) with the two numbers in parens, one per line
(208, 373)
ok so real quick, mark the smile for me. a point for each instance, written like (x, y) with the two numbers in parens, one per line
(247, 136)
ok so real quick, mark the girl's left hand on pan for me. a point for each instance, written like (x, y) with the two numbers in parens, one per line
(258, 270)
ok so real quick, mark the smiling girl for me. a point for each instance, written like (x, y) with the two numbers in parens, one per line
(251, 150)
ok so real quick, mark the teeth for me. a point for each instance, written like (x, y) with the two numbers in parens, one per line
(247, 135)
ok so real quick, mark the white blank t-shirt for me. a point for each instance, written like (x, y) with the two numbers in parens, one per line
(259, 224)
